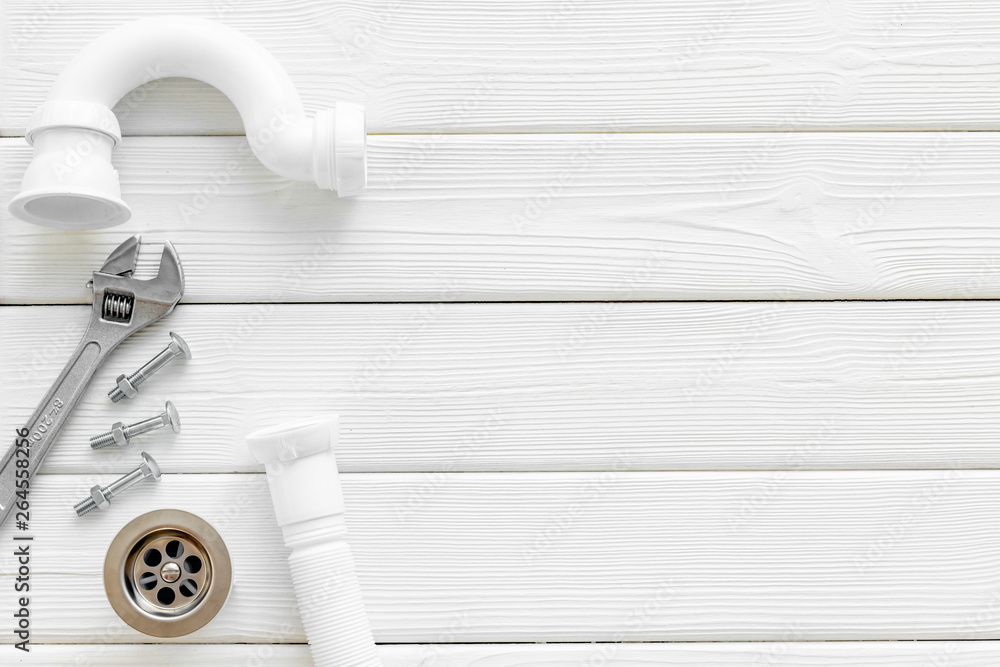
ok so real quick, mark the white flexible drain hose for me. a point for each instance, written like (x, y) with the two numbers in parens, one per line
(308, 503)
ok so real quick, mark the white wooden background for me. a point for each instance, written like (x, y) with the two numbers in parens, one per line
(666, 332)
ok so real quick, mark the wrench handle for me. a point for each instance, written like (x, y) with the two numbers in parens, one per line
(47, 420)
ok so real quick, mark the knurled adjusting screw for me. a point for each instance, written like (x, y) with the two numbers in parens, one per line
(121, 435)
(128, 385)
(100, 496)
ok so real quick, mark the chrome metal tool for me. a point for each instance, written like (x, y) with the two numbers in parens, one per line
(122, 306)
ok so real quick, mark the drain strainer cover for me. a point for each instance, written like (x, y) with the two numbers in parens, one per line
(167, 573)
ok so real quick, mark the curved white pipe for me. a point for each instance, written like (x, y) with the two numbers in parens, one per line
(71, 183)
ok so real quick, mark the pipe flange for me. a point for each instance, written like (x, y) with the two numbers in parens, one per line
(167, 573)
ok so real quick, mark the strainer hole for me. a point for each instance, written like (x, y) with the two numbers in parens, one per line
(192, 565)
(188, 588)
(152, 557)
(175, 549)
(165, 596)
(148, 581)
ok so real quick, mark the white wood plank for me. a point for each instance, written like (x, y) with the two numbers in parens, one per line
(557, 65)
(465, 387)
(819, 654)
(614, 556)
(734, 654)
(167, 655)
(558, 217)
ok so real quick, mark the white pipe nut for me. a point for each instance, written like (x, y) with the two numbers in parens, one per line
(71, 183)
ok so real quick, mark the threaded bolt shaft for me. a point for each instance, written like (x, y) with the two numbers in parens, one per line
(103, 440)
(128, 385)
(85, 506)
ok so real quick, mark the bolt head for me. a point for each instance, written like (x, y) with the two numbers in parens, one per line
(126, 387)
(170, 572)
(173, 419)
(100, 498)
(179, 345)
(149, 467)
(118, 432)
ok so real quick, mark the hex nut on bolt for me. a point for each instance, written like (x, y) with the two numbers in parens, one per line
(100, 496)
(127, 386)
(121, 435)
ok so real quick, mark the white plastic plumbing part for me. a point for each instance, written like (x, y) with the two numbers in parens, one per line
(71, 184)
(305, 489)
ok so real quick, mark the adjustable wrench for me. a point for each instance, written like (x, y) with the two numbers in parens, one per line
(122, 306)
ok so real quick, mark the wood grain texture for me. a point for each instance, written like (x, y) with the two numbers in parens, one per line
(758, 654)
(819, 654)
(551, 557)
(569, 217)
(559, 65)
(466, 387)
(171, 655)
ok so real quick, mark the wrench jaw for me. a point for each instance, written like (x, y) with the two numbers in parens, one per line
(123, 259)
(123, 304)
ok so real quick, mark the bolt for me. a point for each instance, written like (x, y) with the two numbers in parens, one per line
(128, 386)
(121, 435)
(100, 496)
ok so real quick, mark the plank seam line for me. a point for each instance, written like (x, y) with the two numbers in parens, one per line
(580, 471)
(528, 302)
(599, 131)
(720, 642)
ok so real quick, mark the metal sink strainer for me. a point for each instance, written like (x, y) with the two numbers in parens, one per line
(167, 573)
